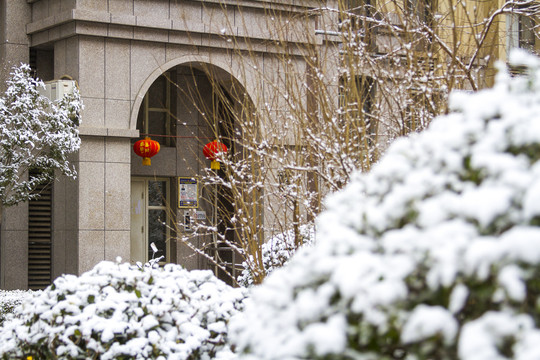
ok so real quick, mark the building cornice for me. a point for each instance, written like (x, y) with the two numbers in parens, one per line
(74, 22)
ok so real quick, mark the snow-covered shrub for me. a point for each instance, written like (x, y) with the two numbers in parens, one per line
(276, 252)
(434, 254)
(9, 300)
(35, 134)
(118, 311)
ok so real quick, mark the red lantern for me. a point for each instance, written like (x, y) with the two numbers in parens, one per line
(213, 151)
(146, 149)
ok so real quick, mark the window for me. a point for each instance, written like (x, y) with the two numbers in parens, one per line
(520, 31)
(420, 110)
(357, 104)
(157, 116)
(354, 13)
(420, 10)
(357, 95)
(415, 111)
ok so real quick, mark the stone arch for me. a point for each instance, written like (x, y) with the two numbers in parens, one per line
(187, 60)
(172, 163)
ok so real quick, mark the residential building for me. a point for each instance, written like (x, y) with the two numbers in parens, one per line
(143, 67)
(186, 72)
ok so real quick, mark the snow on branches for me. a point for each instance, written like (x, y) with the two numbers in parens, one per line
(35, 134)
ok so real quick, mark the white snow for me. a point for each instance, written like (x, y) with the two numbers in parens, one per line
(427, 321)
(116, 310)
(276, 252)
(435, 252)
(439, 244)
(34, 133)
(481, 338)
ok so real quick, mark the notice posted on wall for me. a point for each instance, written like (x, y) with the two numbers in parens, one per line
(188, 193)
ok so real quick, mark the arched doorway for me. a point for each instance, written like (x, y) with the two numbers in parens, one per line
(184, 108)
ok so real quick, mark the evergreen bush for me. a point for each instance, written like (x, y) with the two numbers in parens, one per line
(9, 300)
(118, 311)
(434, 254)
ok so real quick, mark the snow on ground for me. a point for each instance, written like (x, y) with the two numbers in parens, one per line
(433, 254)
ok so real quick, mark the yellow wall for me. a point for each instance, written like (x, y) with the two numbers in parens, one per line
(461, 27)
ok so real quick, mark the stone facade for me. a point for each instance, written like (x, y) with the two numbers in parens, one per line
(116, 50)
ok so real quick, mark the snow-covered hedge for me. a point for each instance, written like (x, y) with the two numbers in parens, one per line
(435, 254)
(9, 301)
(117, 311)
(276, 252)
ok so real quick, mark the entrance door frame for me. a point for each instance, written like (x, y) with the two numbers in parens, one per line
(139, 242)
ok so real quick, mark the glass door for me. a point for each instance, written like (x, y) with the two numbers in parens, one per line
(149, 219)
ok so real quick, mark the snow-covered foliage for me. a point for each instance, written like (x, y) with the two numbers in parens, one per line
(277, 251)
(119, 311)
(35, 134)
(434, 254)
(9, 300)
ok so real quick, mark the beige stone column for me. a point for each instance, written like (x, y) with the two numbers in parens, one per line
(14, 248)
(65, 225)
(104, 200)
(14, 15)
(94, 223)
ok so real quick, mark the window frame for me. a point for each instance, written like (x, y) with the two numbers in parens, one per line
(367, 95)
(167, 138)
(515, 28)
